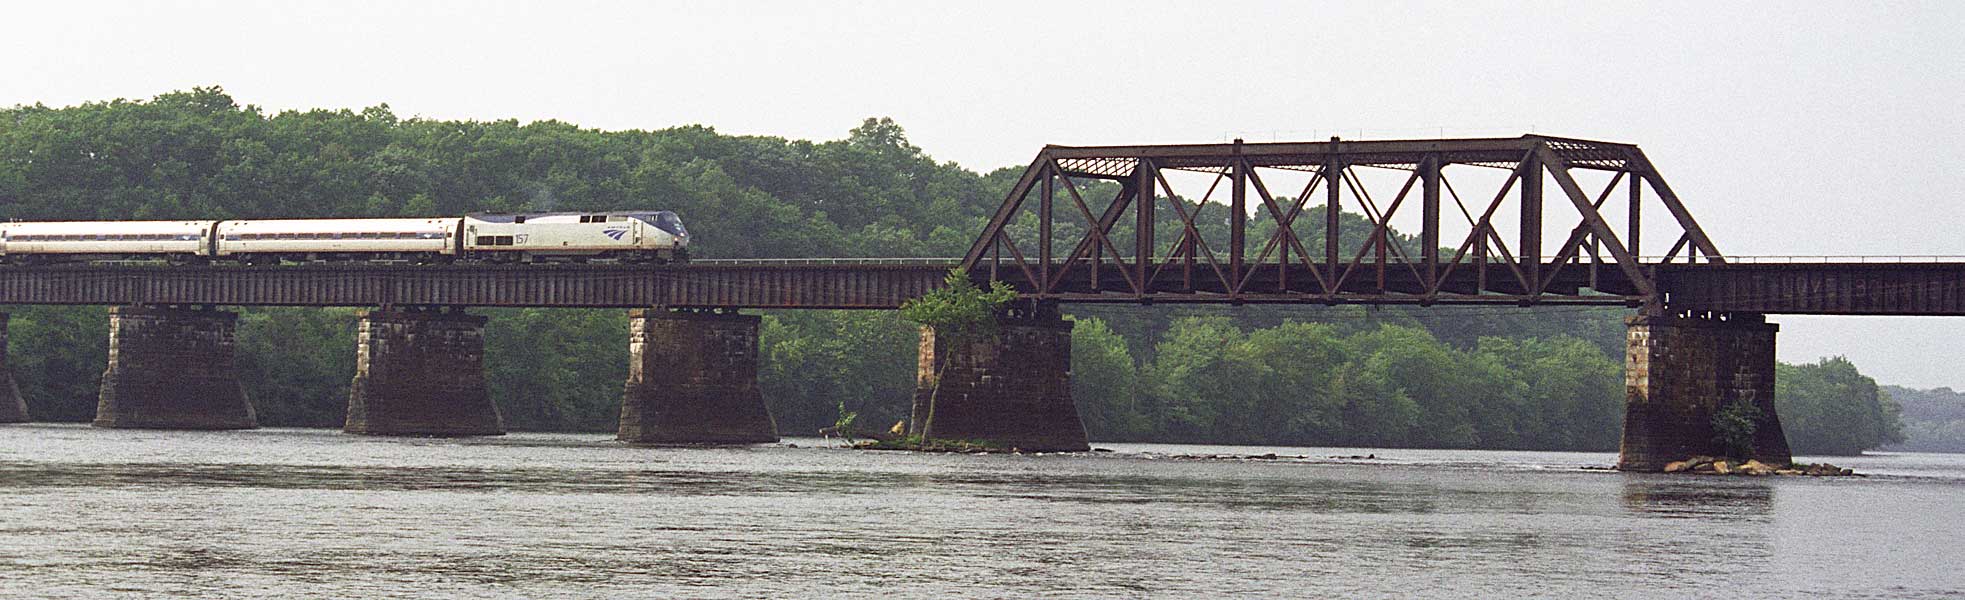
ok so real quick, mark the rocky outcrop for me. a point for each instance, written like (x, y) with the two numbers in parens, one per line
(1708, 465)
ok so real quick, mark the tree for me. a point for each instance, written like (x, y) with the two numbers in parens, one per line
(1831, 408)
(1103, 383)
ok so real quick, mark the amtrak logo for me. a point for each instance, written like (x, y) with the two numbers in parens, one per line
(616, 234)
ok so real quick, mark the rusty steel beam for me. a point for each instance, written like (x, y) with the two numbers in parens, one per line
(1910, 289)
(571, 286)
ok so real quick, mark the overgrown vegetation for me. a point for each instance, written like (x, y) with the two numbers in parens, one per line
(1393, 376)
(958, 313)
(1733, 427)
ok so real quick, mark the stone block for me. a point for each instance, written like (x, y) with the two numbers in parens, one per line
(172, 368)
(421, 373)
(1012, 389)
(692, 379)
(1678, 370)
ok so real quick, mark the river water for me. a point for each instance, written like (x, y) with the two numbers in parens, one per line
(93, 513)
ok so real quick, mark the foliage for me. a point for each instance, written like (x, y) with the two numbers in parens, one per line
(1934, 419)
(296, 364)
(1391, 385)
(58, 354)
(959, 310)
(1734, 425)
(1104, 382)
(813, 364)
(1831, 408)
(846, 421)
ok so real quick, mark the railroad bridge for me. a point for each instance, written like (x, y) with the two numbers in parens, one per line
(1216, 223)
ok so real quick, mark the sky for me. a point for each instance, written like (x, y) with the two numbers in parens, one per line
(1791, 128)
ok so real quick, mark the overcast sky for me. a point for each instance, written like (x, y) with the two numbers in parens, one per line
(1788, 128)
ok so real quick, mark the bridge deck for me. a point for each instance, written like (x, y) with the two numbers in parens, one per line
(1828, 288)
(1831, 288)
(769, 284)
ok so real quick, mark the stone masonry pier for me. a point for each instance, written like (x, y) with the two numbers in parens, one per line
(172, 368)
(13, 409)
(421, 373)
(1679, 370)
(1012, 389)
(692, 379)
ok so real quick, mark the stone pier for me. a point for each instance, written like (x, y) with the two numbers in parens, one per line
(172, 368)
(421, 373)
(692, 379)
(12, 408)
(1679, 370)
(1012, 389)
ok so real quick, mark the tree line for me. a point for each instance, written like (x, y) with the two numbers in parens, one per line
(1391, 376)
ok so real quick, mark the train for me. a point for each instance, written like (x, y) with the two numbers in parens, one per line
(621, 236)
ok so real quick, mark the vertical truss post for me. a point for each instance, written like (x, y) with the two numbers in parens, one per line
(1429, 233)
(1238, 218)
(1047, 194)
(1333, 179)
(1098, 248)
(1143, 231)
(1637, 210)
(1531, 221)
(995, 257)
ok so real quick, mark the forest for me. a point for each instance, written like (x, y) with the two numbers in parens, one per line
(1470, 377)
(1933, 419)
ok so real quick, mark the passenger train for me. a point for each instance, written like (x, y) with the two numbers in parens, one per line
(625, 236)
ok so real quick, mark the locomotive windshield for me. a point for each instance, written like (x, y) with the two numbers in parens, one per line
(666, 221)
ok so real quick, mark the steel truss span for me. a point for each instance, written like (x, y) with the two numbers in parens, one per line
(1480, 204)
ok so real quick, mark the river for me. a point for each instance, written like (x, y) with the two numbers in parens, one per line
(94, 513)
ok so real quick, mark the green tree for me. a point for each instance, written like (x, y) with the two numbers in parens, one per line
(1829, 407)
(959, 312)
(1103, 381)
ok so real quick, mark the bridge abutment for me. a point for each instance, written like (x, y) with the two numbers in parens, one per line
(13, 409)
(1679, 370)
(692, 379)
(1011, 389)
(421, 373)
(172, 368)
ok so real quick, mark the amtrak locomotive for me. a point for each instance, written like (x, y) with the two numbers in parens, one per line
(625, 236)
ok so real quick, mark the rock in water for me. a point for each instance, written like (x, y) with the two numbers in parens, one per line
(1678, 466)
